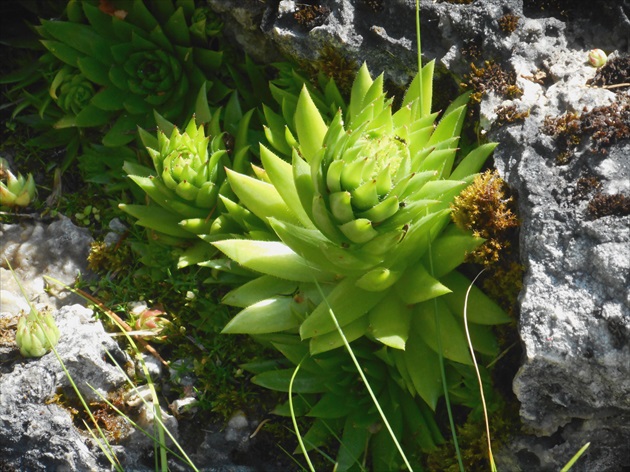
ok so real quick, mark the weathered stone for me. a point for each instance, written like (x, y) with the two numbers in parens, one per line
(58, 249)
(36, 432)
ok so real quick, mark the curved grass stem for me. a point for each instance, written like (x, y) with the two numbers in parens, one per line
(364, 378)
(493, 467)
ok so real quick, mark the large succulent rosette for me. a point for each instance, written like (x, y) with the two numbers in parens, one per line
(362, 211)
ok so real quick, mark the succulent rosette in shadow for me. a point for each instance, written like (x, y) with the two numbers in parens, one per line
(116, 67)
(362, 210)
(328, 389)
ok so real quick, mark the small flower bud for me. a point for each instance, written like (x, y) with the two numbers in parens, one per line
(597, 57)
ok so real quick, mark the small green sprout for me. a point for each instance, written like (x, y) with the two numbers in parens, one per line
(18, 191)
(597, 57)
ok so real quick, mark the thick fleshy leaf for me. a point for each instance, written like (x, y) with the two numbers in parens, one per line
(429, 326)
(62, 51)
(109, 98)
(481, 309)
(158, 219)
(449, 250)
(360, 86)
(305, 382)
(123, 131)
(280, 173)
(417, 285)
(310, 125)
(330, 405)
(473, 161)
(272, 258)
(261, 288)
(266, 316)
(423, 366)
(94, 70)
(260, 197)
(329, 341)
(347, 301)
(390, 321)
(355, 437)
(92, 116)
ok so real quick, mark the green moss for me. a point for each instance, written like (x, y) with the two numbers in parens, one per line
(334, 64)
(507, 114)
(486, 208)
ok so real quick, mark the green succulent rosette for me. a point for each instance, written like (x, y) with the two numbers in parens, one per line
(18, 191)
(72, 91)
(36, 334)
(117, 67)
(187, 185)
(362, 209)
(205, 25)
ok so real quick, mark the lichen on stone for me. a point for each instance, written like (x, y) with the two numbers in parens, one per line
(310, 16)
(606, 125)
(609, 205)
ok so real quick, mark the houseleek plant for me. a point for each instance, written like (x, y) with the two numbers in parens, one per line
(360, 210)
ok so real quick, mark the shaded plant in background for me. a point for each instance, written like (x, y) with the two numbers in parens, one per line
(106, 69)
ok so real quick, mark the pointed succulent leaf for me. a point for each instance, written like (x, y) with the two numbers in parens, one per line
(310, 125)
(271, 258)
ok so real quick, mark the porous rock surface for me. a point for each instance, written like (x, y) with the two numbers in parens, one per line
(35, 249)
(37, 433)
(574, 310)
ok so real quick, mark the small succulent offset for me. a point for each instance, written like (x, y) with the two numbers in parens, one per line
(18, 191)
(597, 57)
(187, 185)
(36, 333)
(150, 320)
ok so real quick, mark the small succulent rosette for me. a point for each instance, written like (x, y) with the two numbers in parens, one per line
(17, 191)
(187, 185)
(36, 333)
(150, 322)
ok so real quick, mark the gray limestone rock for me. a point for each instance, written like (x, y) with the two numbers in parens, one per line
(37, 433)
(58, 249)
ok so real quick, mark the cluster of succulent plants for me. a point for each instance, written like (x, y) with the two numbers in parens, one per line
(110, 64)
(349, 214)
(329, 218)
(360, 220)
